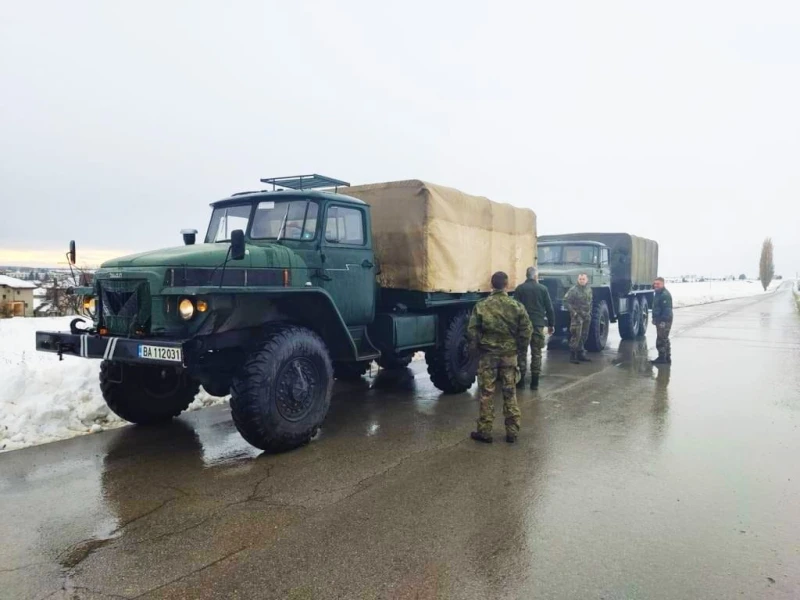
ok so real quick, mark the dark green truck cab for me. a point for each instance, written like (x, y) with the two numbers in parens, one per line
(620, 267)
(279, 300)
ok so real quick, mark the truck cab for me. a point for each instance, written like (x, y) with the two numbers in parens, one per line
(560, 263)
(620, 268)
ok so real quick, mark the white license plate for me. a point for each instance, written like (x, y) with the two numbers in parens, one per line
(160, 353)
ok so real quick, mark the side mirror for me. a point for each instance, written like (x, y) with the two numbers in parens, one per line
(71, 253)
(189, 236)
(237, 244)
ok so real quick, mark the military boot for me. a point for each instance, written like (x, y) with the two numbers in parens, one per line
(521, 382)
(573, 358)
(481, 437)
(661, 360)
(534, 382)
(669, 357)
(582, 356)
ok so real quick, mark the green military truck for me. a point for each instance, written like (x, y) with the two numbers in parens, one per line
(621, 268)
(292, 288)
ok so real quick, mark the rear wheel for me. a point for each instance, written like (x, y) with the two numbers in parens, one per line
(282, 393)
(146, 394)
(630, 323)
(598, 330)
(451, 366)
(645, 310)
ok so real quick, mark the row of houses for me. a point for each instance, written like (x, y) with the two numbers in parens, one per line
(19, 298)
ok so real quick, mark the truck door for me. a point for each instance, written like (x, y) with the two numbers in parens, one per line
(348, 269)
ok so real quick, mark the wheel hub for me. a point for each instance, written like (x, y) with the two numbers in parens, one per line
(296, 388)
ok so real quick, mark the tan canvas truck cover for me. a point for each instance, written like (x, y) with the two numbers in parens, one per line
(432, 238)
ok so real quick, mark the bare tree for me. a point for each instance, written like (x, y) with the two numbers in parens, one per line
(766, 266)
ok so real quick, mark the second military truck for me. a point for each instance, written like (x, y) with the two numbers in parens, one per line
(292, 288)
(621, 268)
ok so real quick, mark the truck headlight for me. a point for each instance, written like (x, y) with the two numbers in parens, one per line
(89, 304)
(186, 309)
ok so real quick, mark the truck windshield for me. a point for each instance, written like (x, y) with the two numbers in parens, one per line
(226, 219)
(559, 255)
(285, 220)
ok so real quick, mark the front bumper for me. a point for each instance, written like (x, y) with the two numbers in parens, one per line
(89, 345)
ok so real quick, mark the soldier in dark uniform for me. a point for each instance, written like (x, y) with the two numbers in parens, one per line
(579, 302)
(499, 329)
(536, 300)
(662, 319)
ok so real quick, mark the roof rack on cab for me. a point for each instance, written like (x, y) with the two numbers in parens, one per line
(305, 182)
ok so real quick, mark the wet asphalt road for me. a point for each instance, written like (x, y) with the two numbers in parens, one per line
(628, 482)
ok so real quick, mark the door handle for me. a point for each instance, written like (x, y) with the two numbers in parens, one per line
(366, 264)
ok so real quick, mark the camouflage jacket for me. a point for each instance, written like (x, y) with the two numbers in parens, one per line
(579, 299)
(536, 300)
(662, 306)
(499, 325)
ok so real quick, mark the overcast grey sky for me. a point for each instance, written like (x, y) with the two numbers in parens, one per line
(680, 121)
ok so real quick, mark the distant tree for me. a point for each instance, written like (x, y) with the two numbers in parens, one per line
(742, 277)
(62, 303)
(766, 265)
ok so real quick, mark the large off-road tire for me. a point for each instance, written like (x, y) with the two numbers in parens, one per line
(146, 394)
(282, 393)
(350, 371)
(395, 361)
(451, 366)
(630, 322)
(645, 311)
(598, 330)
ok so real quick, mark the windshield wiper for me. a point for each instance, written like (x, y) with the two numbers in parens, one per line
(283, 224)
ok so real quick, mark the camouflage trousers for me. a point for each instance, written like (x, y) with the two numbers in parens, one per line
(490, 370)
(663, 344)
(537, 343)
(578, 330)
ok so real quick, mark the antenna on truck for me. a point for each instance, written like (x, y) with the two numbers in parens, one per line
(305, 182)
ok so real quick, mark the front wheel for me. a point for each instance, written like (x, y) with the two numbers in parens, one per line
(645, 311)
(451, 366)
(630, 323)
(282, 393)
(146, 394)
(598, 330)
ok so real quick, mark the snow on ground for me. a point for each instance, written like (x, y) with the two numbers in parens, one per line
(691, 294)
(43, 399)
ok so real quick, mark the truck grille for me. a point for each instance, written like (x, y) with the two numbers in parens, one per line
(125, 306)
(554, 289)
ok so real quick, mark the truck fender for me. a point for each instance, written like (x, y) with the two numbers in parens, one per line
(604, 293)
(314, 308)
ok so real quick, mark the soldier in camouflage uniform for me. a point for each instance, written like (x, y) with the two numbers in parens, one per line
(579, 302)
(499, 329)
(662, 319)
(536, 300)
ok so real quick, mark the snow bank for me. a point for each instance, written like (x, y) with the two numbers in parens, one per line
(43, 399)
(691, 294)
